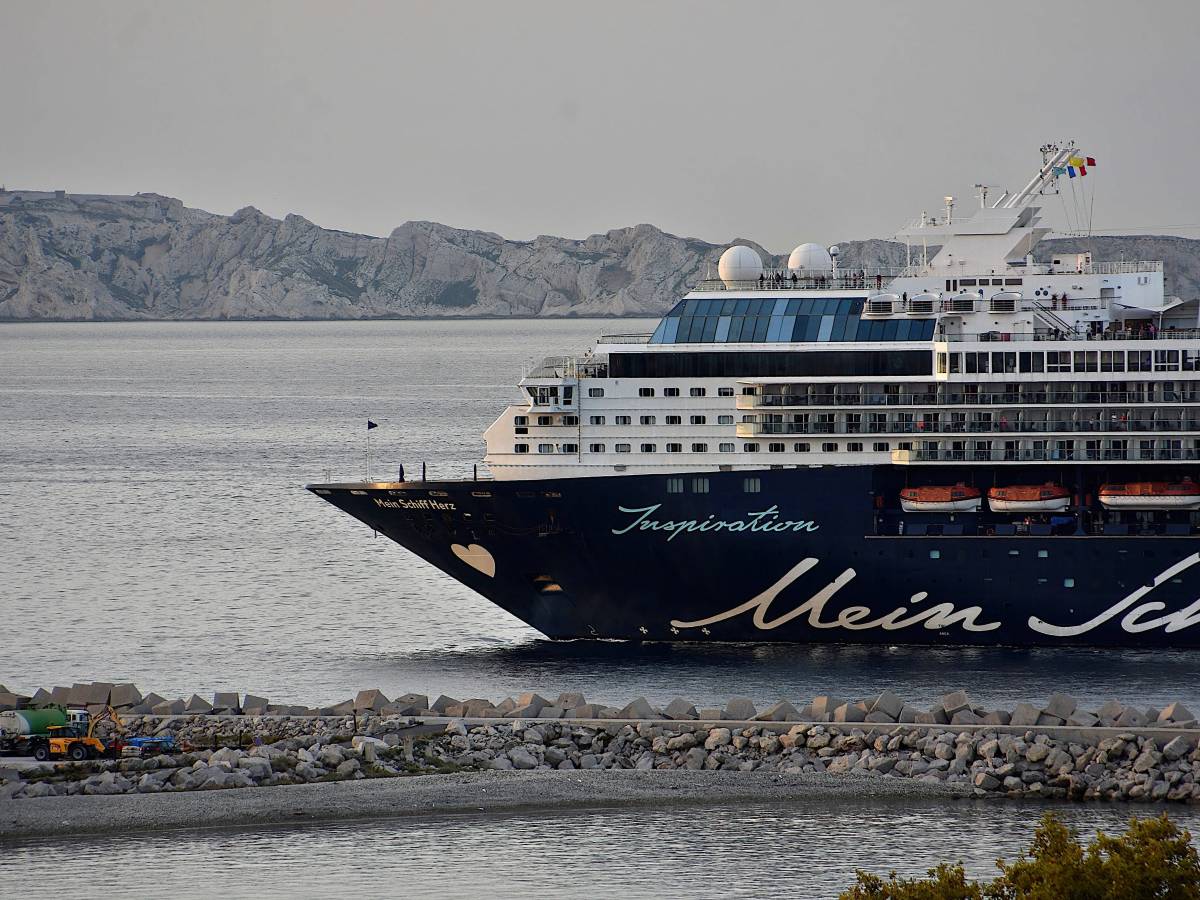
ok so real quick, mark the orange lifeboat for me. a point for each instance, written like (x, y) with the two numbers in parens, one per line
(1147, 495)
(1046, 497)
(941, 498)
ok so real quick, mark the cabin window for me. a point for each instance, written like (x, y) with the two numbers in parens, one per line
(595, 448)
(674, 485)
(1068, 582)
(699, 448)
(645, 392)
(725, 392)
(570, 448)
(941, 363)
(670, 392)
(699, 420)
(800, 448)
(648, 420)
(724, 420)
(520, 420)
(674, 448)
(1112, 361)
(521, 448)
(752, 485)
(699, 485)
(596, 420)
(955, 363)
(1139, 360)
(881, 446)
(623, 420)
(1058, 361)
(545, 448)
(935, 554)
(829, 448)
(622, 448)
(649, 448)
(545, 420)
(595, 392)
(698, 391)
(674, 420)
(776, 447)
(726, 447)
(570, 420)
(750, 448)
(854, 447)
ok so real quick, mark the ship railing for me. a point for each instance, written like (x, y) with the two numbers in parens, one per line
(1165, 334)
(624, 338)
(1114, 267)
(1030, 398)
(1016, 428)
(1136, 454)
(871, 279)
(570, 367)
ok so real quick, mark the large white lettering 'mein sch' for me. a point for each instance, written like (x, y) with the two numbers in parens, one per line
(854, 618)
(1133, 621)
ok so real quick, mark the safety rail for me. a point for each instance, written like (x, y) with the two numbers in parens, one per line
(625, 338)
(1014, 428)
(1066, 398)
(1136, 454)
(1156, 334)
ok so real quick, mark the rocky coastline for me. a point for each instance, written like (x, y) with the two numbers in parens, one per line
(1053, 751)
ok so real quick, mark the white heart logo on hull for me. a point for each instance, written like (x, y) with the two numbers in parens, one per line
(476, 557)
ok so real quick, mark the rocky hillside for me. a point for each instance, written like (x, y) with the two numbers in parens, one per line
(72, 256)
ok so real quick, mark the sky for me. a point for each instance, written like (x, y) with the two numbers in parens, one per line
(783, 122)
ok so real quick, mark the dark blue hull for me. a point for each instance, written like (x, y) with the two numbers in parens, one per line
(814, 555)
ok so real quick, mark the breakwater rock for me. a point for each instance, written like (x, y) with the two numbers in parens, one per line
(274, 751)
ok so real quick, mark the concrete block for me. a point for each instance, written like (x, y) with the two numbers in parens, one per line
(1152, 714)
(123, 696)
(824, 706)
(442, 703)
(78, 695)
(779, 712)
(8, 700)
(908, 714)
(997, 717)
(849, 712)
(40, 697)
(508, 704)
(708, 714)
(586, 711)
(551, 712)
(889, 704)
(1047, 719)
(1082, 719)
(1061, 706)
(300, 711)
(370, 700)
(229, 701)
(740, 709)
(1175, 712)
(418, 701)
(965, 717)
(345, 708)
(940, 716)
(99, 693)
(1025, 714)
(878, 716)
(171, 708)
(478, 708)
(955, 701)
(255, 706)
(639, 709)
(681, 709)
(532, 699)
(926, 718)
(1177, 748)
(153, 699)
(570, 700)
(60, 695)
(529, 711)
(198, 704)
(1131, 718)
(142, 709)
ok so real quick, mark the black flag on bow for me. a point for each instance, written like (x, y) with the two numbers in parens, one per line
(371, 425)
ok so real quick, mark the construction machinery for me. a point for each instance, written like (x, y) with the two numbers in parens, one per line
(55, 733)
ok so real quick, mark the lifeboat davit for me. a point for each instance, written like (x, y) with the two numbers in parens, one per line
(941, 498)
(1145, 495)
(1029, 498)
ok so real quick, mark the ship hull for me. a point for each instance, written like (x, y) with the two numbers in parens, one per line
(813, 555)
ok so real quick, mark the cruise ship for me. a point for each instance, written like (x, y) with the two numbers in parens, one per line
(987, 445)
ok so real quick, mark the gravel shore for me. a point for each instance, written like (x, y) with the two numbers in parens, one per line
(492, 791)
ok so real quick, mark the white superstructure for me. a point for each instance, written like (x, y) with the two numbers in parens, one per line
(977, 353)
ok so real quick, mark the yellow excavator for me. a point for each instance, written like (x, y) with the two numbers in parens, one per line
(77, 741)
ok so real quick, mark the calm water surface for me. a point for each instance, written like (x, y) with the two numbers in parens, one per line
(799, 850)
(154, 528)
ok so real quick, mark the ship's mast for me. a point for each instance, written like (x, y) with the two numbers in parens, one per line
(1053, 156)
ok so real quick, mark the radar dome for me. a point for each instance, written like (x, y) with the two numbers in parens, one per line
(739, 263)
(810, 258)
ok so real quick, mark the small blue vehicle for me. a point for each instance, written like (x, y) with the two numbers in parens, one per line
(149, 746)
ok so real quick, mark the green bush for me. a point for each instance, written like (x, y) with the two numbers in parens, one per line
(1153, 859)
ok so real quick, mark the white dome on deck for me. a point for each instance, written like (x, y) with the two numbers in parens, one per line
(739, 263)
(810, 258)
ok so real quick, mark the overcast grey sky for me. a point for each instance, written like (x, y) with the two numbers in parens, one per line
(779, 121)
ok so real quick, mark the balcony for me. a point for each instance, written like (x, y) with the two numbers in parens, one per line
(1008, 429)
(909, 457)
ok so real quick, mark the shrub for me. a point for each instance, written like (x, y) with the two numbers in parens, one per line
(1153, 859)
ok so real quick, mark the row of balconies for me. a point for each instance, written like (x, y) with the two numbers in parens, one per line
(1071, 397)
(881, 306)
(757, 429)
